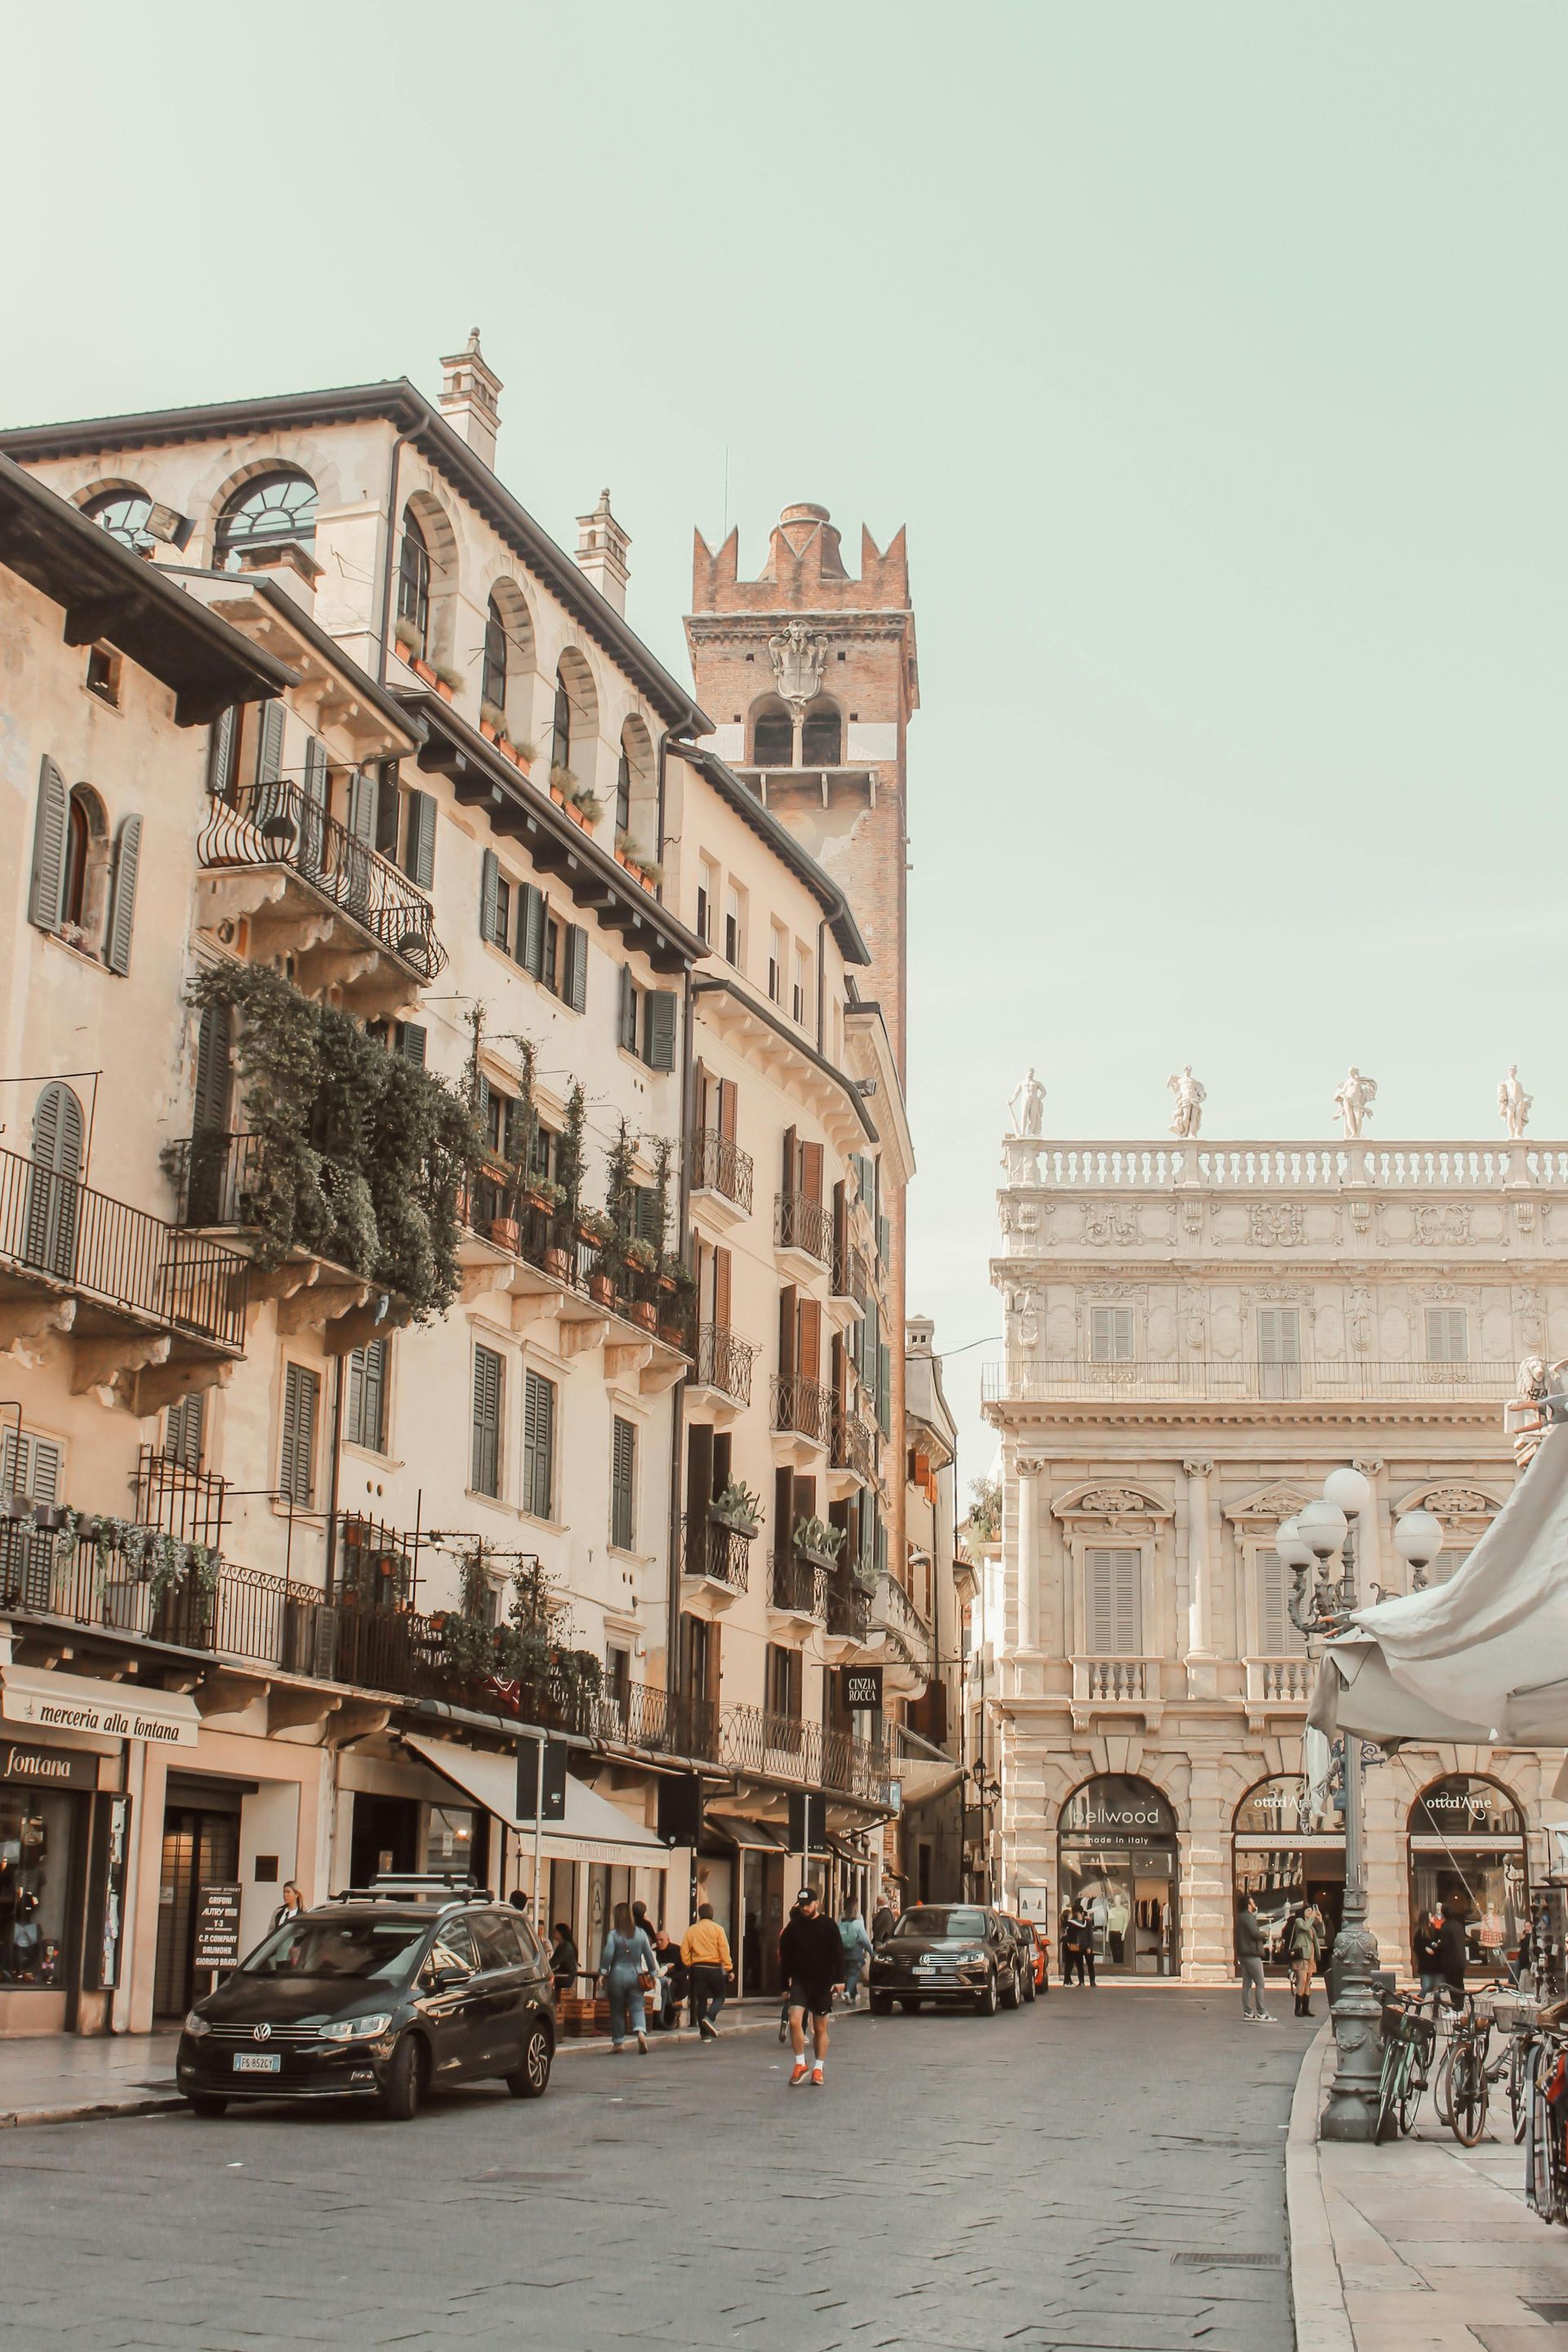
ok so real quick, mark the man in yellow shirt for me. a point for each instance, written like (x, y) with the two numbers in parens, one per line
(705, 1948)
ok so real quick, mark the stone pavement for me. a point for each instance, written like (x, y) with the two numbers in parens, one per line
(1420, 2246)
(1096, 2173)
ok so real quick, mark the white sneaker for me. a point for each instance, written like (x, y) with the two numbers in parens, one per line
(1268, 2018)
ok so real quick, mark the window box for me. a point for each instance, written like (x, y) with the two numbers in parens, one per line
(737, 1522)
(643, 1314)
(602, 1290)
(557, 795)
(492, 734)
(507, 1233)
(421, 668)
(674, 1337)
(557, 1264)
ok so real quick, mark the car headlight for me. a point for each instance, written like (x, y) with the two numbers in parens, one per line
(970, 1959)
(357, 2029)
(196, 2024)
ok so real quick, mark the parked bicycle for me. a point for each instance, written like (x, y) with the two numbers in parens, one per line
(1467, 2073)
(1409, 2040)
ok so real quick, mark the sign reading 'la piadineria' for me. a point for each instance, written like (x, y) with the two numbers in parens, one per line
(73, 1703)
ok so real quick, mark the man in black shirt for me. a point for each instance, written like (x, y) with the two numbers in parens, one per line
(811, 1951)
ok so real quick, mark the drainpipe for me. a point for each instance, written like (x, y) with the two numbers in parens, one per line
(678, 1394)
(391, 541)
(332, 1483)
(822, 985)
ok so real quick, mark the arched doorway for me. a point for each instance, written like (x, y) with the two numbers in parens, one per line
(1290, 1850)
(1467, 1846)
(1117, 1852)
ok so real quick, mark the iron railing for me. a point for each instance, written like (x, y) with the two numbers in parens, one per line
(719, 1165)
(803, 1223)
(852, 1274)
(278, 823)
(903, 1620)
(804, 1406)
(795, 1586)
(785, 1748)
(55, 1227)
(724, 1363)
(1040, 1381)
(848, 1612)
(184, 1501)
(854, 1446)
(658, 1723)
(720, 1554)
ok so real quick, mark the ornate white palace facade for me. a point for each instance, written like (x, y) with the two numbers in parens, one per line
(1196, 1333)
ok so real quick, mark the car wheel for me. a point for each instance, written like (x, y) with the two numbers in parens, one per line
(531, 2079)
(1030, 1987)
(404, 2085)
(986, 2003)
(1012, 1995)
(207, 2104)
(881, 2004)
(911, 2007)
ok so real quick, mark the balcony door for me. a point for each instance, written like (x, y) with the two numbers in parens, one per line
(1113, 1579)
(54, 1182)
(1279, 1351)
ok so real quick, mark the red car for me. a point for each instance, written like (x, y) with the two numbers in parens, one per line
(1042, 1955)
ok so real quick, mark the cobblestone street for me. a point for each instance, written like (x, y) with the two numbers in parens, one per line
(1044, 2178)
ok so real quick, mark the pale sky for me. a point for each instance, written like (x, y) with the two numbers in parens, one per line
(1213, 356)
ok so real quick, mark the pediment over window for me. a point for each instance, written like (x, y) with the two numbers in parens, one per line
(1457, 1502)
(1263, 1509)
(1111, 1500)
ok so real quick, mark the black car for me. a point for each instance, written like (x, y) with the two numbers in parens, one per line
(952, 1955)
(1024, 1944)
(380, 1998)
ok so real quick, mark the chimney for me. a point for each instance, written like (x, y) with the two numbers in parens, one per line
(471, 396)
(602, 547)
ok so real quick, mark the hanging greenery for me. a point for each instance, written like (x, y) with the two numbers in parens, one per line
(662, 1159)
(356, 1155)
(570, 1166)
(620, 1195)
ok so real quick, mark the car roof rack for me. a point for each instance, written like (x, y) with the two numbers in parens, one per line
(446, 1887)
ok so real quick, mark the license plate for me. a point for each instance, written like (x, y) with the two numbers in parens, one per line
(925, 1964)
(257, 2061)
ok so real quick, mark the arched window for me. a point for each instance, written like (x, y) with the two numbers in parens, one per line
(271, 510)
(623, 791)
(773, 737)
(123, 515)
(634, 778)
(493, 679)
(413, 580)
(822, 736)
(561, 726)
(78, 852)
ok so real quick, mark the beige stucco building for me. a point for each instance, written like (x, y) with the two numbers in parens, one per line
(1196, 1334)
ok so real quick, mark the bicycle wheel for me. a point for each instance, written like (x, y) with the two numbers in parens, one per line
(1468, 2094)
(1395, 2067)
(1411, 2089)
(1443, 2086)
(1543, 2181)
(1519, 2087)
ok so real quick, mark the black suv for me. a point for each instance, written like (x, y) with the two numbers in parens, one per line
(957, 1954)
(376, 1994)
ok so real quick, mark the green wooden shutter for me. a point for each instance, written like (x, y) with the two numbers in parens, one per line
(269, 744)
(364, 794)
(49, 831)
(490, 896)
(209, 1108)
(354, 1404)
(412, 1040)
(623, 1464)
(538, 1445)
(421, 840)
(296, 1452)
(574, 990)
(485, 1473)
(626, 1011)
(58, 1131)
(659, 1019)
(122, 896)
(530, 928)
(885, 1390)
(184, 1430)
(222, 745)
(366, 1413)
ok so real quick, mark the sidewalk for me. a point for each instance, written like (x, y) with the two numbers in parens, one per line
(1418, 2246)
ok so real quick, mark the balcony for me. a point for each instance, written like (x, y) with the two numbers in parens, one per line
(852, 1287)
(138, 1300)
(907, 1644)
(1038, 1381)
(1112, 1686)
(852, 1458)
(803, 1233)
(654, 1723)
(721, 1177)
(806, 1755)
(310, 889)
(1276, 1684)
(801, 1414)
(796, 1590)
(847, 1636)
(721, 1378)
(716, 1564)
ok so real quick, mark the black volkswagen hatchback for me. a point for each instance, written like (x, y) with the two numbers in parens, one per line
(377, 1996)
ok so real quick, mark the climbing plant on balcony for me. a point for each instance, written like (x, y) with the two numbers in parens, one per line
(570, 1163)
(357, 1155)
(620, 1195)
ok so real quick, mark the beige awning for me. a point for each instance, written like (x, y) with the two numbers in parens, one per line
(51, 1702)
(592, 1831)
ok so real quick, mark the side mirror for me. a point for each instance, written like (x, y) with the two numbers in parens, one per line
(446, 1979)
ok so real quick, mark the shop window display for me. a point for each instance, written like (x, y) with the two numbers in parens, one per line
(35, 1844)
(1290, 1851)
(1467, 1848)
(1117, 1856)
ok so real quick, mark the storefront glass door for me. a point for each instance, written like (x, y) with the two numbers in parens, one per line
(200, 1849)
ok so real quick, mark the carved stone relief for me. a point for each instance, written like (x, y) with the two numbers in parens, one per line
(1360, 1319)
(1276, 1223)
(1439, 1223)
(1108, 1224)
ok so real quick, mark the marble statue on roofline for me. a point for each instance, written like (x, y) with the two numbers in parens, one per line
(1027, 1104)
(1188, 1115)
(1513, 1103)
(1353, 1101)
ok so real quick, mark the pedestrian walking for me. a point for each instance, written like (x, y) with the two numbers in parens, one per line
(1077, 1944)
(671, 1979)
(705, 1948)
(629, 1972)
(1423, 1948)
(292, 1905)
(856, 1950)
(564, 1961)
(812, 1952)
(1452, 1952)
(884, 1921)
(1303, 1942)
(1251, 1944)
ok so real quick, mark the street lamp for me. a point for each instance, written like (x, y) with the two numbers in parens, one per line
(1321, 1529)
(1418, 1539)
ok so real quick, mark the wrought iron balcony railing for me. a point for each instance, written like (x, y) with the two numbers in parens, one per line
(802, 1223)
(658, 1723)
(854, 1444)
(848, 1612)
(786, 1748)
(54, 1227)
(803, 1406)
(795, 1586)
(852, 1274)
(278, 823)
(720, 1554)
(723, 1361)
(719, 1165)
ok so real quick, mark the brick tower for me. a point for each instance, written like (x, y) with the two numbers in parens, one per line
(812, 676)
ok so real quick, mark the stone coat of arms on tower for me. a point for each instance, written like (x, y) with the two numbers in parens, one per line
(798, 660)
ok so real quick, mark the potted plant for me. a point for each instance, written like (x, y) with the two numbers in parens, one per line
(507, 1233)
(818, 1542)
(569, 1159)
(447, 680)
(586, 806)
(405, 636)
(523, 754)
(563, 783)
(492, 721)
(738, 1508)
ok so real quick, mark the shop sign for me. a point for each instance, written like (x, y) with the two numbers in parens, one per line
(55, 1768)
(863, 1687)
(217, 1927)
(72, 1703)
(1118, 1810)
(1463, 1807)
(1289, 1809)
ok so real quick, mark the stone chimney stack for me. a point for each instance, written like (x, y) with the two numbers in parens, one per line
(602, 547)
(470, 396)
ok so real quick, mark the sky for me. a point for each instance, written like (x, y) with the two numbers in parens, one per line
(1213, 356)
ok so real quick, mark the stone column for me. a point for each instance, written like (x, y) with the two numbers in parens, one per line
(1023, 1599)
(1370, 1566)
(1208, 1943)
(1202, 1669)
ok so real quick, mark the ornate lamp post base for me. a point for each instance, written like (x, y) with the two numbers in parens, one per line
(1350, 2111)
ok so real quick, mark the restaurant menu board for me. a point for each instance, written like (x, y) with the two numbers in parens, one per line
(217, 1927)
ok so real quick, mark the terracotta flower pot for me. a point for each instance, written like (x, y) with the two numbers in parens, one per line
(506, 1232)
(557, 795)
(601, 1290)
(557, 1264)
(488, 732)
(442, 689)
(642, 1311)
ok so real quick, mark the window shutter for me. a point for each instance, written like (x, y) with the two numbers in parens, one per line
(482, 1096)
(209, 1109)
(42, 1462)
(183, 1432)
(789, 1160)
(626, 1011)
(623, 1458)
(660, 1030)
(296, 1453)
(787, 1332)
(884, 1389)
(810, 1344)
(1274, 1626)
(316, 772)
(122, 896)
(1102, 1595)
(727, 1097)
(48, 848)
(576, 991)
(810, 1171)
(412, 1041)
(58, 1130)
(353, 1416)
(372, 1416)
(222, 745)
(364, 793)
(269, 744)
(422, 839)
(1115, 1611)
(538, 1443)
(490, 896)
(721, 1288)
(485, 1467)
(530, 928)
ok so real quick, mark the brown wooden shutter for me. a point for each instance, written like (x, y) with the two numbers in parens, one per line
(700, 1488)
(721, 1288)
(810, 1171)
(790, 1159)
(784, 1512)
(810, 1341)
(727, 1109)
(787, 1332)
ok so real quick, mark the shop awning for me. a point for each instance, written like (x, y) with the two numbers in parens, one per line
(51, 1702)
(592, 1831)
(749, 1837)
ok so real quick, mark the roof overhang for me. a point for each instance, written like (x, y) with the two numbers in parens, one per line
(779, 838)
(266, 615)
(866, 1042)
(731, 1008)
